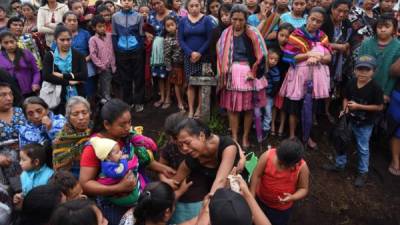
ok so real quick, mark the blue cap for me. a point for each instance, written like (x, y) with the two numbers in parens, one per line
(366, 61)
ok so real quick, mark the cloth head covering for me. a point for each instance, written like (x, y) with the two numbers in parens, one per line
(102, 146)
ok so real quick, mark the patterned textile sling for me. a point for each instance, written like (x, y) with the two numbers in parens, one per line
(266, 26)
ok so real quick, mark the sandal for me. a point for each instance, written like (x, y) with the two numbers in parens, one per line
(197, 115)
(181, 108)
(394, 171)
(166, 105)
(158, 103)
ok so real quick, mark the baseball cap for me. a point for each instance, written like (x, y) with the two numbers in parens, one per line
(366, 61)
(229, 207)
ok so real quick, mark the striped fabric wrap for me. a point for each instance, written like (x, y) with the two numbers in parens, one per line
(225, 53)
(266, 26)
(301, 41)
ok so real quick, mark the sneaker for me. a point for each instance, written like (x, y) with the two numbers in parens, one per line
(332, 168)
(361, 179)
(139, 108)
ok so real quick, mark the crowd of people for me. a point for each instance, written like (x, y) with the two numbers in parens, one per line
(72, 74)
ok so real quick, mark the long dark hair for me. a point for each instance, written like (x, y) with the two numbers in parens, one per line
(110, 112)
(19, 53)
(153, 201)
(193, 127)
(74, 212)
(45, 2)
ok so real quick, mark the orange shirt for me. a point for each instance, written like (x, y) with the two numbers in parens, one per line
(275, 182)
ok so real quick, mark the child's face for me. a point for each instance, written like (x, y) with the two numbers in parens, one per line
(25, 162)
(106, 14)
(283, 36)
(176, 4)
(214, 7)
(77, 8)
(369, 4)
(100, 28)
(27, 12)
(282, 4)
(16, 7)
(111, 7)
(326, 3)
(298, 7)
(170, 26)
(226, 18)
(385, 30)
(2, 14)
(273, 59)
(364, 73)
(267, 6)
(194, 7)
(127, 4)
(85, 3)
(9, 44)
(144, 11)
(115, 154)
(387, 5)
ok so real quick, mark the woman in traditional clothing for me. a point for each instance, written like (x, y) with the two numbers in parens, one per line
(241, 60)
(308, 53)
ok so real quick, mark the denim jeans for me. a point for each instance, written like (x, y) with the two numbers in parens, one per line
(268, 114)
(362, 134)
(111, 212)
(105, 78)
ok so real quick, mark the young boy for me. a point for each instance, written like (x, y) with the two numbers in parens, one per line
(69, 185)
(102, 55)
(362, 99)
(274, 78)
(105, 12)
(128, 44)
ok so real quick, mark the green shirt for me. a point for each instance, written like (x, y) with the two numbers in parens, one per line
(384, 59)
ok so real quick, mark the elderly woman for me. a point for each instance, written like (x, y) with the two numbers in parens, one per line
(10, 119)
(241, 63)
(70, 141)
(42, 125)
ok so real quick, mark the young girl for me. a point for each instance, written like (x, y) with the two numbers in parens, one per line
(178, 9)
(173, 59)
(212, 10)
(386, 49)
(35, 171)
(20, 64)
(296, 17)
(29, 13)
(76, 6)
(308, 53)
(261, 13)
(281, 39)
(280, 178)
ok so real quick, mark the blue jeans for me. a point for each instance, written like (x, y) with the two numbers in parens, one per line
(111, 212)
(362, 134)
(268, 114)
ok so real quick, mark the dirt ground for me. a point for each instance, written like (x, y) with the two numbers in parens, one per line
(332, 200)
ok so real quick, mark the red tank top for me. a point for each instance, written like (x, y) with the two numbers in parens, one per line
(275, 182)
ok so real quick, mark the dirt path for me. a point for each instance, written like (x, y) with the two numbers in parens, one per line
(333, 200)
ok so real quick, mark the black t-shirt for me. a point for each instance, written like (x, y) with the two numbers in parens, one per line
(211, 173)
(369, 94)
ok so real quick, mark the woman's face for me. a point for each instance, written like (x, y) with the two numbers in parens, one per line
(111, 7)
(16, 28)
(27, 12)
(106, 14)
(79, 117)
(64, 41)
(282, 4)
(176, 4)
(194, 7)
(298, 7)
(251, 3)
(101, 220)
(226, 18)
(314, 22)
(326, 3)
(77, 8)
(267, 6)
(385, 30)
(71, 22)
(158, 6)
(191, 144)
(3, 14)
(214, 7)
(16, 7)
(120, 127)
(35, 113)
(6, 99)
(9, 44)
(369, 4)
(238, 21)
(283, 36)
(340, 13)
(387, 5)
